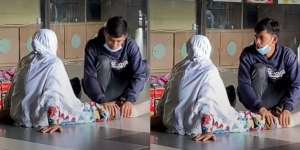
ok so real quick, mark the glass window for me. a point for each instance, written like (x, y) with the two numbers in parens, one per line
(223, 15)
(67, 10)
(286, 15)
(19, 12)
(93, 10)
(172, 14)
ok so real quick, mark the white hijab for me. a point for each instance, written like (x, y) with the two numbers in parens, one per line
(41, 81)
(195, 88)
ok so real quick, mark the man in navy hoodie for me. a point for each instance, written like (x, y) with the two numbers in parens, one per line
(114, 72)
(268, 77)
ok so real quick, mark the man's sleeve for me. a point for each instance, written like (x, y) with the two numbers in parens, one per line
(90, 83)
(139, 74)
(246, 93)
(292, 69)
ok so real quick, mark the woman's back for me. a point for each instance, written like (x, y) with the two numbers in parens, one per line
(195, 87)
(41, 81)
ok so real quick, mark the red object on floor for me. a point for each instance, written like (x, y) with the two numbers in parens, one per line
(155, 95)
(4, 89)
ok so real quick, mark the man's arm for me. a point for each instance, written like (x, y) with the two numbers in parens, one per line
(293, 95)
(90, 82)
(247, 94)
(139, 76)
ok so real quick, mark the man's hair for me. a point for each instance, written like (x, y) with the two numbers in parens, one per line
(269, 25)
(116, 26)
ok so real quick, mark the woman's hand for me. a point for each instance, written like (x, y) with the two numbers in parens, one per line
(205, 137)
(51, 129)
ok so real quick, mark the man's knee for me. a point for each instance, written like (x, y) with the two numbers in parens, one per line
(260, 71)
(104, 63)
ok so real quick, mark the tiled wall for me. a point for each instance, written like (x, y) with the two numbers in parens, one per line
(15, 41)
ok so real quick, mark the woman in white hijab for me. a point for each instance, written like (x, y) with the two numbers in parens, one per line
(195, 102)
(41, 95)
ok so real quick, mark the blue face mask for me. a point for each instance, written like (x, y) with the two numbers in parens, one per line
(264, 50)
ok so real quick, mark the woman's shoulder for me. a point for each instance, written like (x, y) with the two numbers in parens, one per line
(54, 62)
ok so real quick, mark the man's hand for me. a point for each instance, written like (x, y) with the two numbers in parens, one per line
(205, 137)
(51, 129)
(112, 108)
(285, 118)
(267, 115)
(126, 109)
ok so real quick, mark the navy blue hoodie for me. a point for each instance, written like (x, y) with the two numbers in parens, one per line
(134, 72)
(284, 61)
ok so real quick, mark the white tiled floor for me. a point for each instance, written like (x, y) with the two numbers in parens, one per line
(138, 124)
(159, 147)
(288, 138)
(12, 144)
(125, 134)
(286, 134)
